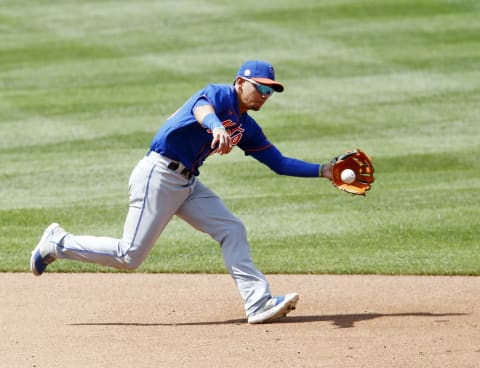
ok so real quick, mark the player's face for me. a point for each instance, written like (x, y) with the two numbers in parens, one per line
(252, 95)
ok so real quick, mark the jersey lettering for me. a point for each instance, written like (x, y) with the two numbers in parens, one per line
(228, 124)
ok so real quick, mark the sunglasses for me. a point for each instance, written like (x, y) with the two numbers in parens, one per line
(261, 88)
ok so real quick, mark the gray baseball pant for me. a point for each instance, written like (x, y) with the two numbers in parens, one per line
(156, 194)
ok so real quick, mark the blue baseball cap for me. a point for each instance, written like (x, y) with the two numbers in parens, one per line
(261, 72)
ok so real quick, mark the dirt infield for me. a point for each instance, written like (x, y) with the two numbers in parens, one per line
(140, 320)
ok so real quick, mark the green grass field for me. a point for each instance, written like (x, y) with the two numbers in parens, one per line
(84, 85)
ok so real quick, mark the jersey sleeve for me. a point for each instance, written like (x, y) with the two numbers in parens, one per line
(283, 165)
(214, 95)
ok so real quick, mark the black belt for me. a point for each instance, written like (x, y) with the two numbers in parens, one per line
(187, 174)
(173, 165)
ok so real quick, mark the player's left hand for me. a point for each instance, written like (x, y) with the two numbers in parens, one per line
(360, 164)
(222, 142)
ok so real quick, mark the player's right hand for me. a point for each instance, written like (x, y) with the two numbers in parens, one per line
(222, 142)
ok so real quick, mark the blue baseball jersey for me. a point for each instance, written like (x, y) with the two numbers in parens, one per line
(184, 139)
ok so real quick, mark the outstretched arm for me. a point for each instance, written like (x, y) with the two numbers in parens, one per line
(283, 165)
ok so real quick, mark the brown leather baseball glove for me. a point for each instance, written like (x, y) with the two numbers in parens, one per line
(360, 164)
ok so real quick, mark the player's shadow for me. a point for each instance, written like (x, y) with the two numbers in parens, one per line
(339, 320)
(349, 320)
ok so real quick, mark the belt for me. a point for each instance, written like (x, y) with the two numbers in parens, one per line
(182, 170)
(173, 165)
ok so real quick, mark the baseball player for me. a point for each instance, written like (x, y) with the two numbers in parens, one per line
(165, 183)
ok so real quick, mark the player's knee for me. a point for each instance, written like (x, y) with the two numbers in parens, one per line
(131, 255)
(240, 230)
(234, 231)
(130, 263)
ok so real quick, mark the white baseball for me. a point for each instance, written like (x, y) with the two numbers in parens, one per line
(348, 176)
